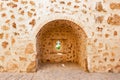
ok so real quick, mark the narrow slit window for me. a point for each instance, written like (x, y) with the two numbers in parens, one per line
(58, 45)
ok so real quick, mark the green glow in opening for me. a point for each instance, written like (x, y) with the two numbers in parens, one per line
(58, 45)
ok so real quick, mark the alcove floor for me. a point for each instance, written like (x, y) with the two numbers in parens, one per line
(60, 71)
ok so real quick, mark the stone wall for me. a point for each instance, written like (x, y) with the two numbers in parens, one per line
(46, 42)
(21, 20)
(72, 39)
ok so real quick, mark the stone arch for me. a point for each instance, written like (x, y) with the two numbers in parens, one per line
(78, 39)
(45, 19)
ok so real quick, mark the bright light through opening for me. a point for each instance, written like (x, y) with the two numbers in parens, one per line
(58, 45)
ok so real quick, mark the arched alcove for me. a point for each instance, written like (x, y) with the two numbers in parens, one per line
(62, 41)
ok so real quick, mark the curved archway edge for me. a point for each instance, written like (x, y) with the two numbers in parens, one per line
(45, 20)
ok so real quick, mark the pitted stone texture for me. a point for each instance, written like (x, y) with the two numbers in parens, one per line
(19, 20)
(114, 20)
(115, 5)
(70, 35)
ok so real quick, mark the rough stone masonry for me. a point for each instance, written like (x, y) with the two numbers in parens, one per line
(22, 20)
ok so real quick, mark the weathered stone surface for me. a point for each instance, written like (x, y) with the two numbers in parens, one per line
(4, 44)
(117, 68)
(29, 49)
(12, 16)
(31, 67)
(7, 52)
(115, 6)
(99, 7)
(23, 58)
(2, 58)
(72, 70)
(115, 33)
(12, 40)
(33, 22)
(15, 0)
(3, 15)
(24, 2)
(12, 67)
(99, 20)
(11, 4)
(114, 20)
(32, 3)
(69, 3)
(14, 25)
(29, 14)
(1, 35)
(5, 28)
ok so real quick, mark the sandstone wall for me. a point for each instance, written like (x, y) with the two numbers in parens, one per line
(46, 42)
(72, 39)
(21, 20)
